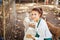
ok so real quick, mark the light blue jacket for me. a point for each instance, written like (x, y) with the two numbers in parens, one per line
(42, 30)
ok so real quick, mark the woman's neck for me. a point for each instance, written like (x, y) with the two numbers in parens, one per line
(37, 20)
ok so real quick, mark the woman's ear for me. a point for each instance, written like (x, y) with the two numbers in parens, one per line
(39, 15)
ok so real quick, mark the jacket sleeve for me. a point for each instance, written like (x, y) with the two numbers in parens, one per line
(43, 31)
(26, 23)
(48, 35)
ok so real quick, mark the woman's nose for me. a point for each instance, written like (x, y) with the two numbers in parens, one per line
(34, 16)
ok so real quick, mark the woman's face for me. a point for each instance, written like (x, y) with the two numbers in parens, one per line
(35, 15)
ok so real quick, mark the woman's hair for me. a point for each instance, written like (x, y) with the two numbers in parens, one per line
(38, 10)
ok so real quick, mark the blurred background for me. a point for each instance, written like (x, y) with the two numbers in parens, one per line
(13, 12)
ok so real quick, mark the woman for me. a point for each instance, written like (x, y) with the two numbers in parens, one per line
(35, 27)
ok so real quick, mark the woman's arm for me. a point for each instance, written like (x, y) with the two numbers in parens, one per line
(48, 35)
(26, 23)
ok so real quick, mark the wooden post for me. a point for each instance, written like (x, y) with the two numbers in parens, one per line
(37, 1)
(46, 2)
(3, 13)
(14, 13)
(56, 3)
(19, 2)
(33, 1)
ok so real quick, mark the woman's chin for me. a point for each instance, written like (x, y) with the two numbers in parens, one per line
(35, 20)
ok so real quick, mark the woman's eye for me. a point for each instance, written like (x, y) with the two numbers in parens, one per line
(34, 14)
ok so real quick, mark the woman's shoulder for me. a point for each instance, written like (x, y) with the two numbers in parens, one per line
(43, 24)
(42, 20)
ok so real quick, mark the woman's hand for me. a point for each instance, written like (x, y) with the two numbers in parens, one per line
(32, 25)
(30, 36)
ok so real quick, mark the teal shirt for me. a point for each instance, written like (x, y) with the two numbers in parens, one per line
(37, 35)
(48, 39)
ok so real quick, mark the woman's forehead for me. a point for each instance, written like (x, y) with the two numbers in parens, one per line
(34, 12)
